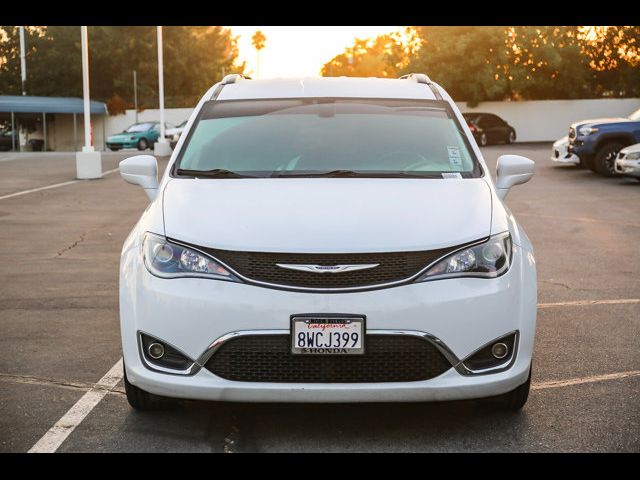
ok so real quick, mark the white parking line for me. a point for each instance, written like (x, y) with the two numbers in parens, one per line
(55, 185)
(579, 303)
(57, 434)
(578, 381)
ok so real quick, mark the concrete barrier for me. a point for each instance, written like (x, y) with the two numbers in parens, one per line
(548, 120)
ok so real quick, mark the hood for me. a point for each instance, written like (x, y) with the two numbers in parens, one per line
(327, 215)
(599, 121)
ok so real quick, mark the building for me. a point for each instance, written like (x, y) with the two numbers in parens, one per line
(48, 123)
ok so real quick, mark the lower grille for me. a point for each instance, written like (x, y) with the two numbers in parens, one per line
(268, 358)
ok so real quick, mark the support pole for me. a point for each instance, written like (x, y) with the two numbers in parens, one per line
(88, 162)
(75, 132)
(44, 130)
(161, 147)
(23, 62)
(135, 94)
(13, 132)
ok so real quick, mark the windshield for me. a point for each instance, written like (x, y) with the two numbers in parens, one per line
(312, 137)
(139, 127)
(635, 115)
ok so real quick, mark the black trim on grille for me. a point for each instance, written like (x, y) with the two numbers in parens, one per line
(387, 358)
(395, 268)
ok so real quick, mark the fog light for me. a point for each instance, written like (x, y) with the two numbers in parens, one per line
(499, 350)
(156, 350)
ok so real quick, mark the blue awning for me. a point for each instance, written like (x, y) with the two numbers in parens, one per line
(31, 104)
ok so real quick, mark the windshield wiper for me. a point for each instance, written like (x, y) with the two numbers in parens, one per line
(354, 174)
(215, 173)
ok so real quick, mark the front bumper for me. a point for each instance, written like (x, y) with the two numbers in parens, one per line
(560, 154)
(191, 313)
(628, 167)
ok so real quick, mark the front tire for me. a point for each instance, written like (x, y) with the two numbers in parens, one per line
(517, 398)
(483, 140)
(143, 144)
(604, 161)
(141, 400)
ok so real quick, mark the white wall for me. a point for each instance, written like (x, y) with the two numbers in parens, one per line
(548, 120)
(534, 121)
(117, 123)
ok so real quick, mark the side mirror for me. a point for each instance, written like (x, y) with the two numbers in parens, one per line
(512, 170)
(141, 170)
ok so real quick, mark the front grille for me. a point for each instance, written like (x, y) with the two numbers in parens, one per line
(261, 266)
(268, 358)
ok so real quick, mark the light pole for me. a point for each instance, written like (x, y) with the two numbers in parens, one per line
(135, 94)
(161, 147)
(23, 62)
(88, 161)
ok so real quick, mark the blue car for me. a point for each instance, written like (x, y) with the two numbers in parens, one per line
(139, 135)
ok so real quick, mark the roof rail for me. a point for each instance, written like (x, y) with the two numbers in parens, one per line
(233, 78)
(423, 78)
(417, 77)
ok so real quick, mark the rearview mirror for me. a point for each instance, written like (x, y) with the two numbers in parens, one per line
(512, 170)
(141, 170)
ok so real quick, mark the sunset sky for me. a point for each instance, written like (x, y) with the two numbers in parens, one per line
(298, 51)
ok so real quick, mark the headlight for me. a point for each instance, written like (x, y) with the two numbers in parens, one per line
(587, 130)
(486, 260)
(176, 137)
(132, 138)
(170, 260)
(632, 156)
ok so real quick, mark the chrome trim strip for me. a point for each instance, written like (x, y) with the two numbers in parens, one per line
(432, 339)
(191, 370)
(435, 341)
(464, 370)
(377, 286)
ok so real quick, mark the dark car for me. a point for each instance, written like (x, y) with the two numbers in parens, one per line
(6, 142)
(597, 142)
(489, 128)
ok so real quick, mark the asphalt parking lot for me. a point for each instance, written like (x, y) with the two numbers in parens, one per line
(60, 332)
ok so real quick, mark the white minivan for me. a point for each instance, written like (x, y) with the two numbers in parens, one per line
(327, 240)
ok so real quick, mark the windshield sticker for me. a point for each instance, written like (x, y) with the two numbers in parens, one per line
(451, 175)
(454, 156)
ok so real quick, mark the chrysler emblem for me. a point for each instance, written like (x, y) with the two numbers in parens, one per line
(327, 268)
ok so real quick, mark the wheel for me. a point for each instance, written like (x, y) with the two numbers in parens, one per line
(114, 149)
(511, 137)
(143, 144)
(483, 139)
(515, 399)
(604, 161)
(141, 400)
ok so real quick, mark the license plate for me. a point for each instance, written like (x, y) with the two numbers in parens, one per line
(327, 335)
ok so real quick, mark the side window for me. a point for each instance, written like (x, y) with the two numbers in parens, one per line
(484, 121)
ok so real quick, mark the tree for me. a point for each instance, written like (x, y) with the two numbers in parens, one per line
(545, 63)
(258, 41)
(382, 56)
(194, 59)
(613, 55)
(464, 60)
